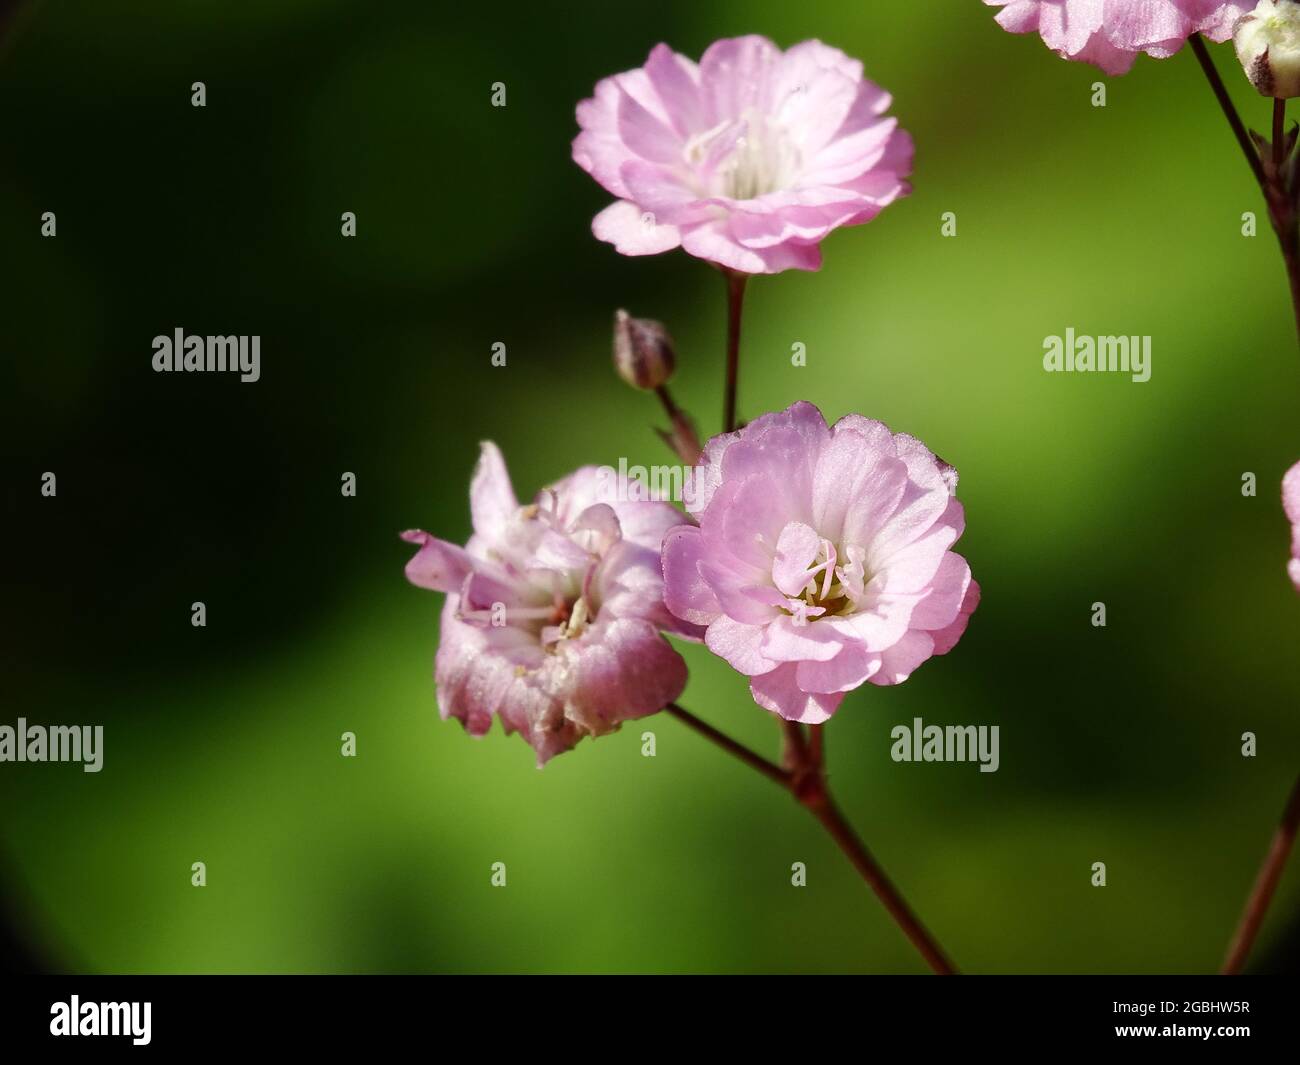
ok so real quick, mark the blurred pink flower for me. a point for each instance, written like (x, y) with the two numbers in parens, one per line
(1110, 33)
(821, 559)
(1291, 503)
(748, 159)
(554, 610)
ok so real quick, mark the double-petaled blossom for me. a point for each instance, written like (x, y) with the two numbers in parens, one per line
(554, 610)
(1111, 33)
(747, 159)
(821, 559)
(1291, 503)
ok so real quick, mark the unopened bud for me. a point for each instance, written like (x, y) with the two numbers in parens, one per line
(643, 351)
(1268, 44)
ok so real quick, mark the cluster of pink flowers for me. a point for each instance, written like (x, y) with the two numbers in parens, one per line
(821, 560)
(813, 559)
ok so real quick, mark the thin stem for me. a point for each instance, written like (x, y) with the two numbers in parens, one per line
(812, 790)
(735, 305)
(806, 781)
(1279, 134)
(1265, 884)
(1290, 243)
(665, 397)
(1272, 179)
(1281, 209)
(794, 750)
(768, 769)
(817, 745)
(1230, 112)
(825, 810)
(682, 439)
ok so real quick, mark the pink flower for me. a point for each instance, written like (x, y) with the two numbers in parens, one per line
(821, 559)
(554, 610)
(1291, 504)
(1110, 33)
(747, 160)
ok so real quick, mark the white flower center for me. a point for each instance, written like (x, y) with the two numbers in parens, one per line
(744, 158)
(1282, 26)
(835, 587)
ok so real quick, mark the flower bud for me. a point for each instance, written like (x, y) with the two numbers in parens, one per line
(643, 351)
(1268, 44)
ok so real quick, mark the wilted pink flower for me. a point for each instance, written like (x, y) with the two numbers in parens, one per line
(821, 559)
(1291, 504)
(748, 159)
(554, 610)
(1110, 33)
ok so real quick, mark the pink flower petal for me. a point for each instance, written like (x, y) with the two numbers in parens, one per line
(802, 417)
(751, 603)
(677, 81)
(735, 75)
(859, 480)
(853, 666)
(646, 135)
(739, 645)
(945, 639)
(900, 661)
(438, 565)
(785, 641)
(620, 671)
(795, 552)
(779, 692)
(686, 593)
(939, 607)
(633, 231)
(492, 500)
(714, 241)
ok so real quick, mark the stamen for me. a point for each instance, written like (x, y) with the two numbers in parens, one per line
(829, 548)
(831, 589)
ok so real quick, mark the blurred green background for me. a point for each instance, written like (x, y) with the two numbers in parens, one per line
(1119, 744)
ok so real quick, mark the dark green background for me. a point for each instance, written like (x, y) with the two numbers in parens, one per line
(1119, 744)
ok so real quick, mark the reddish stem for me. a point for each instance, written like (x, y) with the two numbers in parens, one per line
(1279, 134)
(1265, 884)
(735, 306)
(682, 438)
(805, 779)
(1229, 111)
(739, 750)
(1272, 178)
